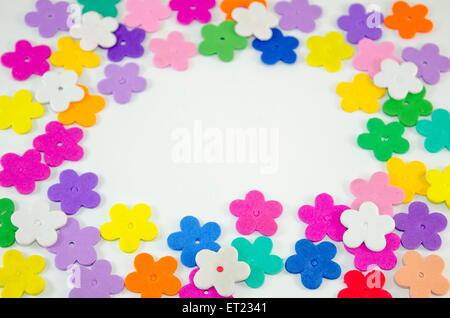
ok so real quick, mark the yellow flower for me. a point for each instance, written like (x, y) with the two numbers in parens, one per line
(360, 94)
(72, 57)
(439, 190)
(129, 226)
(328, 51)
(408, 176)
(18, 111)
(19, 275)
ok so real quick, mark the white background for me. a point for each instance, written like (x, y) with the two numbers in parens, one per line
(130, 147)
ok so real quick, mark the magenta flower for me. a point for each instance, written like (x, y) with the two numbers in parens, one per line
(191, 291)
(190, 10)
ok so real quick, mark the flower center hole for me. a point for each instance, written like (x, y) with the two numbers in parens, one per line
(314, 263)
(123, 43)
(74, 189)
(421, 275)
(72, 244)
(422, 226)
(94, 283)
(122, 81)
(130, 225)
(197, 241)
(60, 88)
(256, 212)
(27, 59)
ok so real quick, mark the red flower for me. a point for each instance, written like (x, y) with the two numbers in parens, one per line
(364, 286)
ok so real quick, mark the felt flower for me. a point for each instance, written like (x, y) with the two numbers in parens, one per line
(71, 56)
(377, 190)
(383, 139)
(23, 171)
(258, 257)
(221, 40)
(193, 238)
(75, 245)
(370, 55)
(369, 285)
(49, 17)
(19, 274)
(323, 219)
(328, 51)
(7, 230)
(152, 279)
(190, 10)
(106, 8)
(27, 60)
(228, 6)
(277, 48)
(439, 190)
(313, 263)
(422, 275)
(436, 131)
(409, 109)
(408, 20)
(256, 214)
(129, 226)
(191, 291)
(255, 20)
(174, 51)
(146, 14)
(360, 94)
(129, 44)
(220, 270)
(410, 177)
(18, 111)
(298, 14)
(75, 191)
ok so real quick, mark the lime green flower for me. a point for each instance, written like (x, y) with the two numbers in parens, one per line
(7, 229)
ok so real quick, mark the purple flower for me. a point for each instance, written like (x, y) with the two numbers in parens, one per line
(429, 62)
(75, 245)
(419, 227)
(190, 10)
(298, 14)
(129, 43)
(359, 24)
(49, 17)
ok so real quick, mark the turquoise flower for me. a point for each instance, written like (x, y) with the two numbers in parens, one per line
(436, 131)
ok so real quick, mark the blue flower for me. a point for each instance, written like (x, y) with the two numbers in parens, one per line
(277, 48)
(313, 263)
(436, 131)
(193, 238)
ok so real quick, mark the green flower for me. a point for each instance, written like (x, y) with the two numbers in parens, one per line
(384, 139)
(106, 8)
(257, 256)
(7, 229)
(221, 40)
(409, 109)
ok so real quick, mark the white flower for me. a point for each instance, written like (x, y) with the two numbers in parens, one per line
(366, 226)
(257, 20)
(59, 88)
(94, 30)
(39, 224)
(220, 270)
(399, 79)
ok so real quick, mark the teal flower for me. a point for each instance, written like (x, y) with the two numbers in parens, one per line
(436, 131)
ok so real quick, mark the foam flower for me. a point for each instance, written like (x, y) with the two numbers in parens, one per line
(439, 192)
(436, 131)
(408, 20)
(129, 44)
(369, 285)
(228, 6)
(146, 14)
(298, 14)
(191, 10)
(277, 48)
(370, 55)
(49, 17)
(7, 230)
(360, 94)
(191, 291)
(106, 8)
(255, 20)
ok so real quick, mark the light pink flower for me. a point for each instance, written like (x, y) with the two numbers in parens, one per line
(370, 55)
(146, 14)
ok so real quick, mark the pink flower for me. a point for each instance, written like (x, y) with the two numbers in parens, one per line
(59, 144)
(174, 51)
(255, 214)
(146, 14)
(23, 171)
(378, 191)
(370, 55)
(191, 291)
(190, 10)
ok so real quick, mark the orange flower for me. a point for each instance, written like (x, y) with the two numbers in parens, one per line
(228, 6)
(422, 276)
(408, 20)
(153, 279)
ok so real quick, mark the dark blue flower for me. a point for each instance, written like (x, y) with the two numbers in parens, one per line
(313, 263)
(277, 48)
(193, 238)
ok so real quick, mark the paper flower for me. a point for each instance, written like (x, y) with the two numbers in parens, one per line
(410, 177)
(399, 79)
(153, 279)
(422, 275)
(19, 274)
(323, 219)
(146, 14)
(220, 270)
(174, 51)
(313, 263)
(94, 30)
(438, 191)
(370, 55)
(298, 14)
(17, 112)
(256, 214)
(377, 190)
(191, 291)
(383, 139)
(106, 8)
(7, 230)
(221, 40)
(27, 60)
(190, 10)
(360, 94)
(122, 82)
(39, 224)
(328, 51)
(255, 20)
(59, 89)
(129, 44)
(23, 171)
(436, 131)
(49, 17)
(193, 238)
(258, 257)
(228, 6)
(408, 20)
(129, 226)
(277, 48)
(75, 245)
(369, 285)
